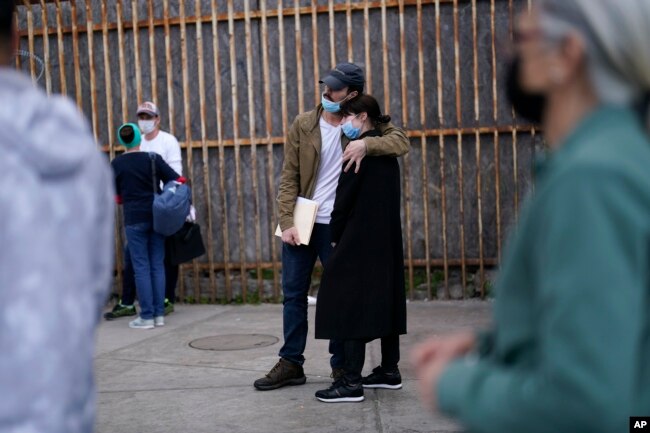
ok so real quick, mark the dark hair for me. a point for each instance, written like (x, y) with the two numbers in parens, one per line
(358, 89)
(6, 20)
(365, 104)
(127, 134)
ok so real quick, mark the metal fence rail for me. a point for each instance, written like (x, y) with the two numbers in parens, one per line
(230, 76)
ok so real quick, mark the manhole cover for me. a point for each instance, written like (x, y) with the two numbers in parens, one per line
(234, 342)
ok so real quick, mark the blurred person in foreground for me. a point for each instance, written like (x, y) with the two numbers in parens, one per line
(569, 349)
(56, 232)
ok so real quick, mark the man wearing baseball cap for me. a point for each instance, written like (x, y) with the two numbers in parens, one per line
(167, 146)
(313, 155)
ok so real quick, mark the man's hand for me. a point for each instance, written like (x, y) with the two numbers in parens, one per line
(354, 152)
(431, 358)
(290, 236)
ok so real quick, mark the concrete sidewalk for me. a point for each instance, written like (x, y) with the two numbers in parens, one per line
(153, 381)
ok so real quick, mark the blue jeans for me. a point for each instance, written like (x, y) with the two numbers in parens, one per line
(297, 266)
(128, 279)
(147, 249)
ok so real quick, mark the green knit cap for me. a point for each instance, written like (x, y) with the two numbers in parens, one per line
(129, 135)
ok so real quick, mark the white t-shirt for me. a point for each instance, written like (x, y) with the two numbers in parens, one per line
(329, 170)
(165, 145)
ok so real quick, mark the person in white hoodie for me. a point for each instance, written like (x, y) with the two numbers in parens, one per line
(56, 260)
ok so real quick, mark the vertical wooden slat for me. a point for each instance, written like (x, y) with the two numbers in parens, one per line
(119, 257)
(477, 138)
(120, 50)
(17, 60)
(366, 40)
(91, 67)
(30, 38)
(188, 124)
(46, 48)
(75, 50)
(252, 134)
(497, 181)
(406, 166)
(514, 122)
(152, 54)
(136, 50)
(107, 83)
(441, 150)
(384, 51)
(283, 74)
(125, 113)
(423, 147)
(222, 156)
(61, 49)
(235, 115)
(300, 80)
(270, 174)
(314, 41)
(207, 196)
(348, 25)
(333, 59)
(459, 142)
(170, 77)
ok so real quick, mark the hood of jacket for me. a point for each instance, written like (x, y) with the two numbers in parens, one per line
(48, 133)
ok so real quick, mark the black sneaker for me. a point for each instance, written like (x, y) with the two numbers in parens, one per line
(380, 378)
(120, 311)
(340, 392)
(282, 374)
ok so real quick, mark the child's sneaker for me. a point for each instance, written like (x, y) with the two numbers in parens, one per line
(141, 323)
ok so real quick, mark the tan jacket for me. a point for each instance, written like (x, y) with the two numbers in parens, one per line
(302, 158)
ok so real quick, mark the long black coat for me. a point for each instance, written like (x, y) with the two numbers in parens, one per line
(361, 295)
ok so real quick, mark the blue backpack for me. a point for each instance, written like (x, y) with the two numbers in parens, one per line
(171, 206)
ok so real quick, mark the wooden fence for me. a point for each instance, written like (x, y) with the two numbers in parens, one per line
(230, 76)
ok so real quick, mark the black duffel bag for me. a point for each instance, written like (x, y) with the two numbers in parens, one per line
(185, 245)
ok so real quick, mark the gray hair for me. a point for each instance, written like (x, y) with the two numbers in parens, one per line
(617, 38)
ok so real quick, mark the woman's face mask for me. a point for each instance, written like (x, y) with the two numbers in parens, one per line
(147, 126)
(351, 131)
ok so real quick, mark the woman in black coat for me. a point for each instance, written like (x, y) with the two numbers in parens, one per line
(362, 296)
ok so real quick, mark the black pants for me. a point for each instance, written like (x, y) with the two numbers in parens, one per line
(128, 280)
(355, 356)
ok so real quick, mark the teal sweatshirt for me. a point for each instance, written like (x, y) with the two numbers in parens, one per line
(569, 350)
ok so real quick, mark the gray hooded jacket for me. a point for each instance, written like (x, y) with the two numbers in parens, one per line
(56, 258)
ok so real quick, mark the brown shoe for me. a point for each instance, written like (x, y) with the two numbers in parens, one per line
(284, 373)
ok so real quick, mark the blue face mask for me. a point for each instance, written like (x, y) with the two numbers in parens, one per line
(329, 106)
(350, 131)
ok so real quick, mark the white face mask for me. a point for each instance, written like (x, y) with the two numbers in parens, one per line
(147, 126)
